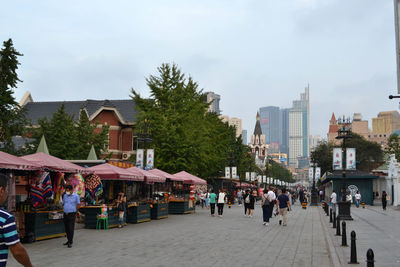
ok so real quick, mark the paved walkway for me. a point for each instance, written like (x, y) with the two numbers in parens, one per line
(376, 229)
(195, 240)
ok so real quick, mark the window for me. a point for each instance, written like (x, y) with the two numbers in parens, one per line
(134, 142)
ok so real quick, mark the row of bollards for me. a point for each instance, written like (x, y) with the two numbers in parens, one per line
(335, 220)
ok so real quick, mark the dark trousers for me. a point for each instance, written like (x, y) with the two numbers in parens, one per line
(212, 205)
(69, 223)
(267, 212)
(384, 203)
(220, 208)
(246, 206)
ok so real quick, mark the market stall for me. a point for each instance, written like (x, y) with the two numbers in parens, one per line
(40, 208)
(182, 199)
(113, 180)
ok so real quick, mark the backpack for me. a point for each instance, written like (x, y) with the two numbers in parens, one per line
(247, 199)
(266, 200)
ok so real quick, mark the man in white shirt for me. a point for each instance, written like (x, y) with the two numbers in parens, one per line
(333, 201)
(357, 196)
(221, 202)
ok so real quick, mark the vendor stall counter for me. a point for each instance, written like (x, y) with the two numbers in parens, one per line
(40, 225)
(177, 206)
(138, 213)
(159, 210)
(91, 213)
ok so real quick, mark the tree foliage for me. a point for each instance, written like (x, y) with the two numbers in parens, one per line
(368, 154)
(185, 135)
(277, 171)
(67, 139)
(393, 146)
(12, 119)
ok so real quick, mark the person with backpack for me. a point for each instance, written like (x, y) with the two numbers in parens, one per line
(250, 208)
(268, 198)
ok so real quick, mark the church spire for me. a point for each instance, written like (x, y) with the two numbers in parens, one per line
(257, 129)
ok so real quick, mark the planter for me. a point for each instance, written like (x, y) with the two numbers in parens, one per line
(180, 207)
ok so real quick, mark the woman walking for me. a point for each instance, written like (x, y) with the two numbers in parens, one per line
(246, 201)
(208, 200)
(221, 202)
(213, 196)
(384, 200)
(357, 196)
(252, 199)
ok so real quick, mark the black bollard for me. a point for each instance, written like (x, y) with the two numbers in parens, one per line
(326, 209)
(370, 258)
(353, 249)
(338, 225)
(330, 215)
(334, 219)
(344, 237)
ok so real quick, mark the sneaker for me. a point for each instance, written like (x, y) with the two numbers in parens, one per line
(280, 222)
(266, 224)
(284, 224)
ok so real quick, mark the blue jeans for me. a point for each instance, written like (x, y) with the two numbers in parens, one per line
(357, 203)
(267, 212)
(240, 200)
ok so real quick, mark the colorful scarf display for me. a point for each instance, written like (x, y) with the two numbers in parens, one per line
(41, 189)
(78, 183)
(94, 187)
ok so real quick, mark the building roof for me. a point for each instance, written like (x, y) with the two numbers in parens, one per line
(333, 118)
(356, 174)
(39, 110)
(257, 128)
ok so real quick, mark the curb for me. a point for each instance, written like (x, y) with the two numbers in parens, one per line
(332, 251)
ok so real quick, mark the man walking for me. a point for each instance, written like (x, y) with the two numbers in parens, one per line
(269, 199)
(71, 206)
(213, 196)
(333, 201)
(240, 196)
(284, 205)
(221, 202)
(9, 236)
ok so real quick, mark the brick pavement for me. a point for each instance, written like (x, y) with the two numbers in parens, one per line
(195, 240)
(376, 229)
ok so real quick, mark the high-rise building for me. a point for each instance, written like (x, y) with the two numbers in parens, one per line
(214, 99)
(271, 124)
(299, 128)
(236, 122)
(284, 117)
(244, 137)
(386, 122)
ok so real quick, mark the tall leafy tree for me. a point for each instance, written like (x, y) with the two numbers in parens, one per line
(393, 146)
(185, 136)
(12, 119)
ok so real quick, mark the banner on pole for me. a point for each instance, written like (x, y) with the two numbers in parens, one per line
(253, 176)
(234, 172)
(247, 176)
(337, 158)
(227, 172)
(139, 158)
(311, 174)
(350, 158)
(317, 173)
(264, 179)
(150, 159)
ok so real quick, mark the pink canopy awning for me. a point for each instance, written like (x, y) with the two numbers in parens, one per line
(53, 163)
(148, 176)
(166, 175)
(108, 171)
(8, 161)
(190, 178)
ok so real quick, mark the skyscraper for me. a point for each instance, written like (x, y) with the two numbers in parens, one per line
(284, 117)
(271, 126)
(244, 137)
(214, 99)
(299, 128)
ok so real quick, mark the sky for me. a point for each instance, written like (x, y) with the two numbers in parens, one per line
(252, 53)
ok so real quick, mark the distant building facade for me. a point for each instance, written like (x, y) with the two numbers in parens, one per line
(314, 141)
(257, 143)
(237, 122)
(214, 99)
(386, 122)
(244, 137)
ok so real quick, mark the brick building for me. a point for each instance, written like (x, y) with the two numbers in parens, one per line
(119, 115)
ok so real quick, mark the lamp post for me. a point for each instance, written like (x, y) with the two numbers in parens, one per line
(344, 133)
(144, 136)
(314, 193)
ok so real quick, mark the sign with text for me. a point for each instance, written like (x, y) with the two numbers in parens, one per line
(337, 158)
(139, 158)
(350, 158)
(234, 172)
(247, 176)
(150, 159)
(317, 173)
(264, 179)
(227, 172)
(253, 176)
(311, 174)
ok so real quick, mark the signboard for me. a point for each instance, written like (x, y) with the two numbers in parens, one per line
(139, 158)
(227, 172)
(317, 173)
(253, 176)
(234, 172)
(337, 158)
(311, 174)
(247, 176)
(150, 159)
(264, 179)
(350, 158)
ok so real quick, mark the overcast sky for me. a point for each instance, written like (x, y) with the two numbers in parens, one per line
(252, 53)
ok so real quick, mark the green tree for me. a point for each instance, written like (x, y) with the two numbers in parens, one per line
(67, 139)
(185, 136)
(12, 119)
(393, 146)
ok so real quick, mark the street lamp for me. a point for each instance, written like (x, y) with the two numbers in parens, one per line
(314, 193)
(144, 135)
(344, 133)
